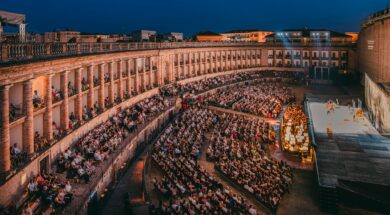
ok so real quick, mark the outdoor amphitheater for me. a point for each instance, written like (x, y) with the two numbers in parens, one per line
(197, 127)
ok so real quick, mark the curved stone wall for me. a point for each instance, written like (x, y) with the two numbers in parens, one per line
(374, 48)
(138, 73)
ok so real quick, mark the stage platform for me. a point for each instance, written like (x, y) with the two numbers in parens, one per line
(356, 152)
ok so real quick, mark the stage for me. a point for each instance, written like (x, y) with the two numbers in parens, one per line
(354, 153)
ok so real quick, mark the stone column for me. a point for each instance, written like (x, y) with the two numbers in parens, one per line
(250, 58)
(151, 83)
(172, 69)
(91, 92)
(200, 63)
(136, 78)
(128, 80)
(120, 85)
(48, 116)
(242, 58)
(5, 153)
(221, 61)
(64, 115)
(101, 89)
(215, 62)
(158, 72)
(111, 86)
(178, 70)
(184, 68)
(220, 69)
(225, 63)
(144, 74)
(28, 126)
(211, 64)
(256, 54)
(79, 95)
(190, 66)
(207, 64)
(231, 60)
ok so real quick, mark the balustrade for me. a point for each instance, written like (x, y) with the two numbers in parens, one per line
(28, 51)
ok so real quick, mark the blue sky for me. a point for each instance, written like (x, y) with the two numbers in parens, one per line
(124, 16)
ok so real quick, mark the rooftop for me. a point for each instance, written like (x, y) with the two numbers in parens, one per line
(244, 31)
(306, 32)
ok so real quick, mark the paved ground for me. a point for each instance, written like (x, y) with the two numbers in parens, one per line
(130, 185)
(302, 196)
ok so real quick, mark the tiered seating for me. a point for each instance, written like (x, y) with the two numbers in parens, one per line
(80, 161)
(239, 155)
(191, 188)
(264, 99)
(207, 84)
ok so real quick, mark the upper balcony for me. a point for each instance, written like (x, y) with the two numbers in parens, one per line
(22, 52)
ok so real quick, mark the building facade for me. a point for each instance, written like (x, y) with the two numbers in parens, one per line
(61, 36)
(374, 65)
(325, 54)
(144, 35)
(173, 36)
(246, 36)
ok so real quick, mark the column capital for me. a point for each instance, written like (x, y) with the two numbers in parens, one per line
(65, 72)
(78, 69)
(5, 87)
(91, 66)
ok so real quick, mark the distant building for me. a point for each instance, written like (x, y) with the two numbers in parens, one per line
(15, 20)
(15, 38)
(88, 38)
(307, 36)
(251, 35)
(208, 36)
(354, 35)
(173, 36)
(62, 36)
(144, 35)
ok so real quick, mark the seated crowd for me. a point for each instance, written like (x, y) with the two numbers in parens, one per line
(37, 100)
(50, 190)
(15, 111)
(237, 151)
(40, 142)
(207, 84)
(81, 160)
(57, 95)
(18, 157)
(190, 188)
(265, 99)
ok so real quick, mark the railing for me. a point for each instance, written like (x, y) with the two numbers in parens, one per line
(36, 51)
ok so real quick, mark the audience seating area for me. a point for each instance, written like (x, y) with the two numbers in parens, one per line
(262, 98)
(236, 147)
(80, 161)
(191, 189)
(210, 83)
